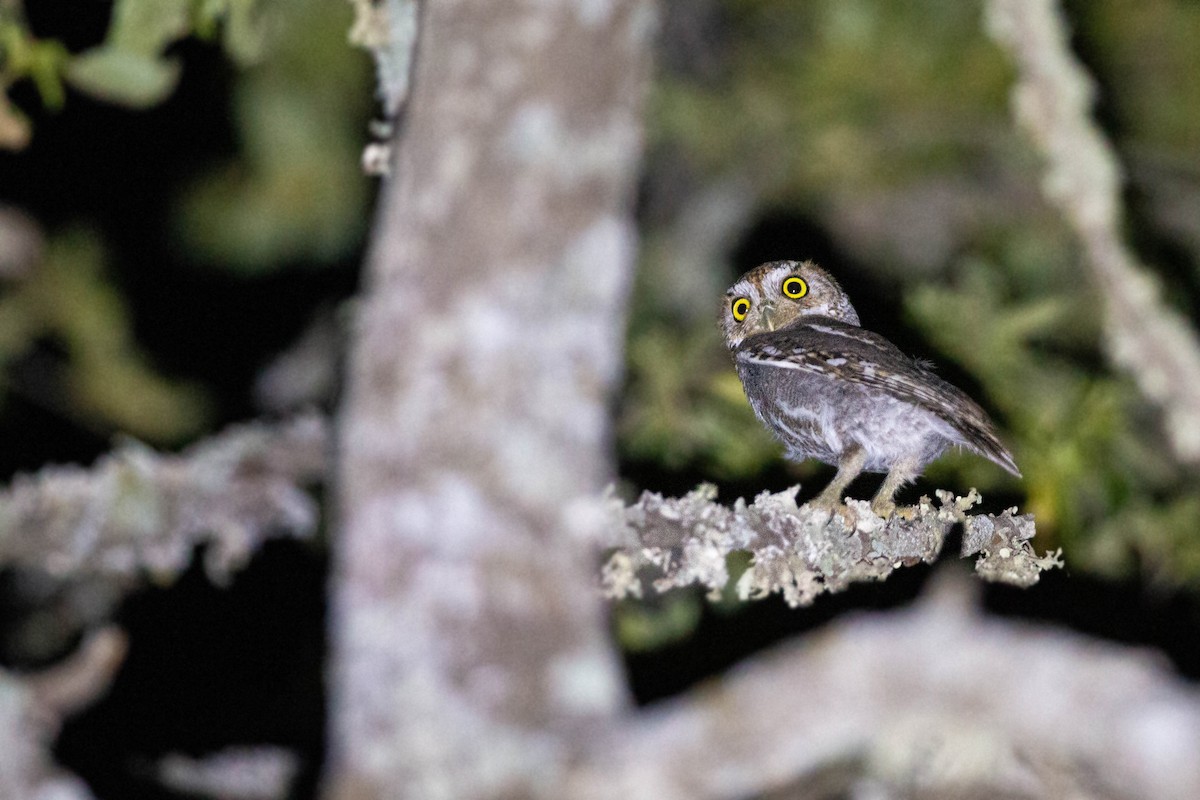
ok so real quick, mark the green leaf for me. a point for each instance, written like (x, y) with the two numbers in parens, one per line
(148, 26)
(129, 67)
(47, 62)
(124, 77)
(658, 621)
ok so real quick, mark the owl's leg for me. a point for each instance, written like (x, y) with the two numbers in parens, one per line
(849, 466)
(901, 473)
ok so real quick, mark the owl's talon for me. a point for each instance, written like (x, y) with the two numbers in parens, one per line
(831, 507)
(891, 510)
(883, 509)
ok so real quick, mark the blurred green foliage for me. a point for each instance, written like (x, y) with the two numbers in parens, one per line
(660, 620)
(131, 66)
(296, 192)
(836, 109)
(293, 194)
(657, 621)
(684, 407)
(852, 94)
(102, 380)
(1148, 53)
(24, 57)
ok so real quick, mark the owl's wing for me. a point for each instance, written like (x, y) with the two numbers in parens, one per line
(832, 348)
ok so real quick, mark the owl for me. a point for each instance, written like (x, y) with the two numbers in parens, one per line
(829, 390)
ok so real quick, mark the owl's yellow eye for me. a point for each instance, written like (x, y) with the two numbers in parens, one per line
(740, 308)
(794, 287)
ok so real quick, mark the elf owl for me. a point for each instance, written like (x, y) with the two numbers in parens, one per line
(832, 391)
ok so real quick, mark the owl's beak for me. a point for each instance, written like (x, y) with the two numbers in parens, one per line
(766, 316)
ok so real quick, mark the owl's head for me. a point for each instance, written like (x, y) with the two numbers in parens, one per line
(774, 295)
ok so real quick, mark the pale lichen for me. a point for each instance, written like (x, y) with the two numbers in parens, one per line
(236, 773)
(388, 28)
(137, 511)
(801, 552)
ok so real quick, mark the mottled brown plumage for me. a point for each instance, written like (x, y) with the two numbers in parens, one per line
(846, 396)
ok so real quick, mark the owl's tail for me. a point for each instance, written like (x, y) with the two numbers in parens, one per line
(982, 439)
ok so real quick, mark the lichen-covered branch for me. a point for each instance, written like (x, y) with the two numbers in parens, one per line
(136, 510)
(388, 28)
(236, 773)
(32, 707)
(1052, 102)
(799, 551)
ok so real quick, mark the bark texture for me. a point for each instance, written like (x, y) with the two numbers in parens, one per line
(474, 434)
(936, 701)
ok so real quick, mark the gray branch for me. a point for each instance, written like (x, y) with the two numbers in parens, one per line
(237, 773)
(136, 510)
(934, 701)
(1052, 101)
(32, 707)
(801, 552)
(388, 28)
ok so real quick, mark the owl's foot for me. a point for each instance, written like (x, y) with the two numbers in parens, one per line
(849, 516)
(883, 507)
(833, 506)
(901, 473)
(849, 466)
(889, 509)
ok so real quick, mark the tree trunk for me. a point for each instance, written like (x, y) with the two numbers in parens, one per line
(470, 654)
